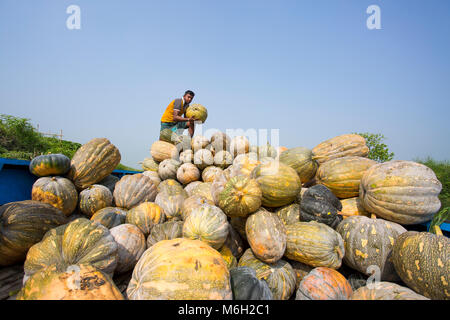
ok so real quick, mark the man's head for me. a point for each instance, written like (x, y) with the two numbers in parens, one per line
(188, 96)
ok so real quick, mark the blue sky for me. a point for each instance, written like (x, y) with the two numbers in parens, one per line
(309, 68)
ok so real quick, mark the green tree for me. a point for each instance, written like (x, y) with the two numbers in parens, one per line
(378, 150)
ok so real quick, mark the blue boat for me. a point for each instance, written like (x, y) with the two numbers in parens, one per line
(16, 182)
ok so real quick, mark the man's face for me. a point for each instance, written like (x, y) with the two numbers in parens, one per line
(188, 98)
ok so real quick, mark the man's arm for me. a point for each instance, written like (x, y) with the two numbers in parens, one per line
(176, 112)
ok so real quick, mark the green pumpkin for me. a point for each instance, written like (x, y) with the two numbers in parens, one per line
(50, 165)
(94, 198)
(385, 291)
(300, 159)
(207, 223)
(93, 162)
(56, 191)
(134, 189)
(289, 214)
(422, 260)
(279, 183)
(314, 244)
(165, 231)
(246, 286)
(79, 242)
(280, 276)
(23, 224)
(266, 235)
(110, 217)
(171, 187)
(320, 204)
(240, 197)
(369, 242)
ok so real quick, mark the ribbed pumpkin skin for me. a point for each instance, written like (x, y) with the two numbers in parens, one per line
(191, 186)
(227, 255)
(240, 197)
(203, 158)
(220, 141)
(289, 214)
(110, 217)
(300, 159)
(188, 173)
(162, 150)
(209, 174)
(352, 207)
(165, 231)
(154, 176)
(197, 111)
(131, 245)
(187, 156)
(50, 165)
(56, 191)
(239, 145)
(405, 192)
(279, 276)
(203, 189)
(422, 261)
(171, 205)
(54, 284)
(244, 164)
(386, 291)
(314, 244)
(150, 165)
(132, 190)
(94, 198)
(79, 242)
(368, 242)
(266, 235)
(168, 135)
(279, 183)
(343, 175)
(320, 204)
(145, 216)
(171, 187)
(340, 146)
(168, 169)
(23, 224)
(192, 203)
(246, 286)
(324, 284)
(199, 142)
(109, 182)
(223, 159)
(207, 223)
(180, 269)
(93, 162)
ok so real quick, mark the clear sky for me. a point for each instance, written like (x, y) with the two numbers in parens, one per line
(309, 68)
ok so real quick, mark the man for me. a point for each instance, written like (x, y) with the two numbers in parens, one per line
(173, 116)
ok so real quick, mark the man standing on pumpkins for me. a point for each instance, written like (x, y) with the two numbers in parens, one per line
(174, 116)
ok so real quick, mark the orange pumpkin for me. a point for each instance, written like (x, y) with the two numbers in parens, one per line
(324, 284)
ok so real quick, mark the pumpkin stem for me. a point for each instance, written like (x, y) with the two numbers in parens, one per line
(438, 231)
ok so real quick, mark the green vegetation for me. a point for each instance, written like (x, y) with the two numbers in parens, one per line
(378, 150)
(20, 140)
(442, 171)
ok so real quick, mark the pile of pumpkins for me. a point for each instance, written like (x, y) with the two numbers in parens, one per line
(218, 218)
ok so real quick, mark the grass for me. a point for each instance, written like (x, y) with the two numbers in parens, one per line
(20, 140)
(442, 171)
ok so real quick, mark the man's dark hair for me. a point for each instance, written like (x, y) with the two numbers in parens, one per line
(189, 92)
